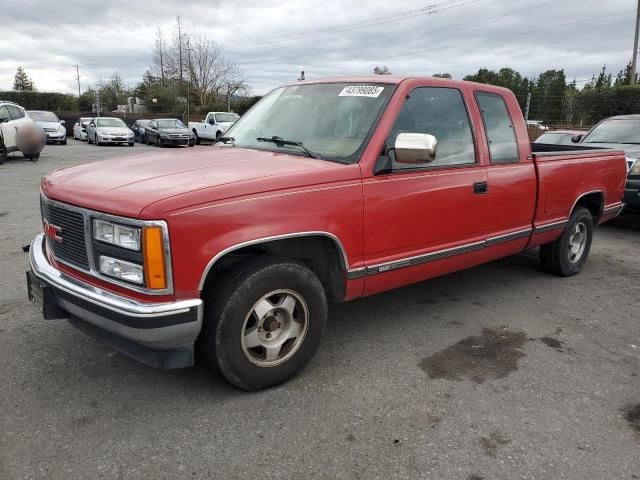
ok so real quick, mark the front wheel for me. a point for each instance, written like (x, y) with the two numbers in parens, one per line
(567, 255)
(197, 138)
(265, 323)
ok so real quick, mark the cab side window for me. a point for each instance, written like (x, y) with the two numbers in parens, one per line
(440, 112)
(498, 126)
(4, 114)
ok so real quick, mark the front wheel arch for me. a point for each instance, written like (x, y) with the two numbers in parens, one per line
(322, 252)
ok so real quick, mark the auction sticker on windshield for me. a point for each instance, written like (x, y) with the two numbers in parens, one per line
(361, 91)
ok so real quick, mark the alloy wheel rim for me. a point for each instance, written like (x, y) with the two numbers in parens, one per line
(577, 242)
(275, 327)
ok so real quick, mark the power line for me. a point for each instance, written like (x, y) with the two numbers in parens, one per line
(396, 16)
(590, 19)
(453, 28)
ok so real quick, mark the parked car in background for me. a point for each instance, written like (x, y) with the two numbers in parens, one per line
(214, 125)
(80, 128)
(539, 124)
(138, 128)
(12, 116)
(169, 131)
(104, 130)
(623, 132)
(558, 137)
(363, 186)
(54, 128)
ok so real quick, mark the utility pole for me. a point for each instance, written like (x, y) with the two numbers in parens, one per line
(189, 81)
(635, 47)
(78, 78)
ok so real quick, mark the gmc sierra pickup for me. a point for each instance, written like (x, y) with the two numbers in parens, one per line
(324, 190)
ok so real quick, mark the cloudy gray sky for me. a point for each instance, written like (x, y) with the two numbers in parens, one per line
(273, 40)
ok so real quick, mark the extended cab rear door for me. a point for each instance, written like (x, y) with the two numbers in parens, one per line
(425, 220)
(511, 176)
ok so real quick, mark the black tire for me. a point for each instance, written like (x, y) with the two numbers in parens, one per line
(228, 307)
(3, 151)
(556, 257)
(146, 140)
(195, 133)
(95, 139)
(131, 144)
(160, 142)
(63, 142)
(218, 135)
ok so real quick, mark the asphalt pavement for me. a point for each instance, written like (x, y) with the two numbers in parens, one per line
(497, 372)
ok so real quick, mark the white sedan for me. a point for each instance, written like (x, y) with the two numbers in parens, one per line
(80, 128)
(103, 130)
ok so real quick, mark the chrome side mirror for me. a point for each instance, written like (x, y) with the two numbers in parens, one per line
(415, 148)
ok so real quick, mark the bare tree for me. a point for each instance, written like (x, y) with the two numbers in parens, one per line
(233, 83)
(205, 66)
(159, 57)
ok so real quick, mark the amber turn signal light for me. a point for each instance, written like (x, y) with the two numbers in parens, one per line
(155, 272)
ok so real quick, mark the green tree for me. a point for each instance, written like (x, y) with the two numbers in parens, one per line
(381, 70)
(548, 96)
(22, 82)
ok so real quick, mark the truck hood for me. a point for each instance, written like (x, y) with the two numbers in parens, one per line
(630, 150)
(126, 186)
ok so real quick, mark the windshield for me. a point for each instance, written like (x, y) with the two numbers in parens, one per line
(85, 121)
(170, 124)
(142, 123)
(332, 120)
(44, 116)
(226, 117)
(615, 131)
(555, 138)
(110, 122)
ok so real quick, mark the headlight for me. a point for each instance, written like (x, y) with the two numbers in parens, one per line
(635, 167)
(116, 234)
(121, 269)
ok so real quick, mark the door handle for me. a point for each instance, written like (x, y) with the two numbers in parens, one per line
(480, 188)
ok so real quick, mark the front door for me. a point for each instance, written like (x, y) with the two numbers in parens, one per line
(425, 220)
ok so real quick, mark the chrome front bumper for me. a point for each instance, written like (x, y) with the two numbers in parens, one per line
(159, 334)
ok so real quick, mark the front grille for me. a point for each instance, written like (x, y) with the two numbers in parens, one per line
(72, 249)
(178, 135)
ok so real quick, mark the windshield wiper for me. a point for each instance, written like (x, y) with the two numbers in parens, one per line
(225, 140)
(279, 141)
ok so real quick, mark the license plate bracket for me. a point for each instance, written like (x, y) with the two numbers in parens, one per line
(43, 298)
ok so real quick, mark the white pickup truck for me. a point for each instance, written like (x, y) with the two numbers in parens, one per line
(214, 125)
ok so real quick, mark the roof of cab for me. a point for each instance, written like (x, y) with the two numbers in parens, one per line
(397, 79)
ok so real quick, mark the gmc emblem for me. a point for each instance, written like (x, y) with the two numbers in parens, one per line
(52, 232)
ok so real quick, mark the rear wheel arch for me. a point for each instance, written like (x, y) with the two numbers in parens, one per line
(322, 252)
(592, 201)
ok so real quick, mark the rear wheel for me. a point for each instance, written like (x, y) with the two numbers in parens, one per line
(567, 255)
(265, 323)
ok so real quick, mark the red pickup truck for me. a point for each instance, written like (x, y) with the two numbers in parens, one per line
(324, 190)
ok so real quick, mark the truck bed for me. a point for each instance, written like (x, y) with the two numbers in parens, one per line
(567, 173)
